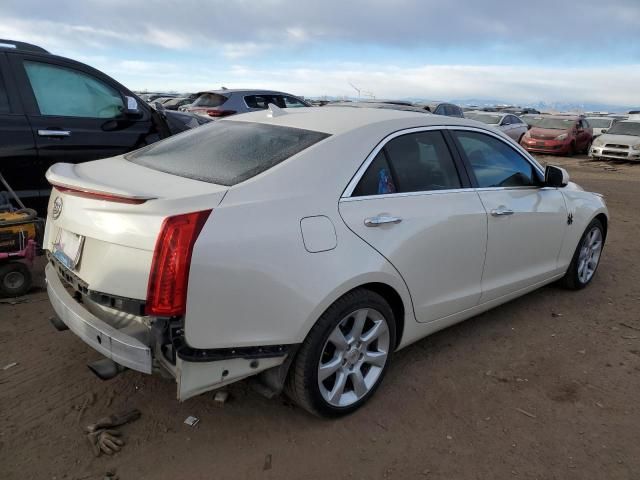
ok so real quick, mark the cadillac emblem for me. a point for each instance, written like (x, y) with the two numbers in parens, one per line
(57, 208)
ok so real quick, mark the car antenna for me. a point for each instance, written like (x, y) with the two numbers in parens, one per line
(274, 111)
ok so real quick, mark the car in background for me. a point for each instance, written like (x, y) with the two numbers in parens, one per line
(222, 103)
(153, 97)
(55, 109)
(600, 124)
(441, 108)
(176, 103)
(620, 142)
(380, 104)
(510, 124)
(557, 134)
(304, 247)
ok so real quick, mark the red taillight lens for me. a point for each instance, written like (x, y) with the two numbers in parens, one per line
(167, 291)
(220, 113)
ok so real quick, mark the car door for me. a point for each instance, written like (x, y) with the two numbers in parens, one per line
(505, 125)
(411, 202)
(518, 128)
(18, 154)
(76, 114)
(526, 222)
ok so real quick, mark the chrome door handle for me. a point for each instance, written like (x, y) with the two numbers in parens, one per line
(500, 211)
(54, 133)
(381, 220)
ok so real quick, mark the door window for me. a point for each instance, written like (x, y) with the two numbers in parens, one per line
(292, 102)
(64, 92)
(494, 163)
(4, 98)
(415, 162)
(515, 120)
(259, 101)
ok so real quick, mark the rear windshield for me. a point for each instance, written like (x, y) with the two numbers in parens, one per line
(210, 100)
(225, 152)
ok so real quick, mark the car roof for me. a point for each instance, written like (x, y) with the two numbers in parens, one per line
(337, 120)
(493, 114)
(381, 104)
(244, 90)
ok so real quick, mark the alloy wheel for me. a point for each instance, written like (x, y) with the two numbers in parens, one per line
(589, 256)
(353, 357)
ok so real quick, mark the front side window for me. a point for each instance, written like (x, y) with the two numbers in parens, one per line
(416, 162)
(225, 152)
(65, 92)
(494, 163)
(292, 102)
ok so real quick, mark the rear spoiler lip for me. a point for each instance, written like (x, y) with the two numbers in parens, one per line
(100, 195)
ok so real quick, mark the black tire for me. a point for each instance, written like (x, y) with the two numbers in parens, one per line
(571, 279)
(15, 279)
(302, 383)
(587, 148)
(572, 150)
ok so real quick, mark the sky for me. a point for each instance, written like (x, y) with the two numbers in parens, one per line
(519, 51)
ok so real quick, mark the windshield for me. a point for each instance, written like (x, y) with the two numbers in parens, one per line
(626, 128)
(552, 123)
(225, 152)
(489, 119)
(599, 122)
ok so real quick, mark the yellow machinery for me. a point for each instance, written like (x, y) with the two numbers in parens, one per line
(20, 234)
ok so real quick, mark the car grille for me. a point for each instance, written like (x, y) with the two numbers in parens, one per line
(615, 153)
(612, 145)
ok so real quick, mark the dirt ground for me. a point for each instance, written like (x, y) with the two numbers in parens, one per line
(545, 387)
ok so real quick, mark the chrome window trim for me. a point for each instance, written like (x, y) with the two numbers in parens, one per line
(348, 191)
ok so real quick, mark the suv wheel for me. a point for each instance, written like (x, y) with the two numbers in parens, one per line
(345, 356)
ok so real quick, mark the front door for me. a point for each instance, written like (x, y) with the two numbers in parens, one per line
(411, 206)
(526, 222)
(75, 115)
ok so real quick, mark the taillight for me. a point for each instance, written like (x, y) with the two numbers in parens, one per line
(220, 113)
(167, 291)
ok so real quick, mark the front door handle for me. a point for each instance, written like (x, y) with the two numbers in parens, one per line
(501, 211)
(381, 220)
(54, 133)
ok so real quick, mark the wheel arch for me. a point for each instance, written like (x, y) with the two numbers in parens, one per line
(604, 220)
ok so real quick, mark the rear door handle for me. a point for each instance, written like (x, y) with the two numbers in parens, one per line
(501, 211)
(381, 220)
(54, 133)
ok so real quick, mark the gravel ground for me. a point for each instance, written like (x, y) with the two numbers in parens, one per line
(542, 387)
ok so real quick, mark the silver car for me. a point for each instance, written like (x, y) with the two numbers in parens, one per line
(508, 123)
(222, 103)
(600, 125)
(620, 142)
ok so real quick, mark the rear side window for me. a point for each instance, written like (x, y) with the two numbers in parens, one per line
(225, 152)
(4, 98)
(416, 162)
(210, 100)
(292, 102)
(494, 163)
(65, 92)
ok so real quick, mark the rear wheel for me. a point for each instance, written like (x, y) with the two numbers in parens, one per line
(345, 356)
(15, 279)
(586, 257)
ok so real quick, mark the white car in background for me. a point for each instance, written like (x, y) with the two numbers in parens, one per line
(510, 124)
(620, 142)
(305, 246)
(600, 125)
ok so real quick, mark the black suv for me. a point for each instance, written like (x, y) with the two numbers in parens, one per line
(53, 109)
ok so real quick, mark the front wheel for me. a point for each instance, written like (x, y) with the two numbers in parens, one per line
(15, 279)
(586, 257)
(345, 356)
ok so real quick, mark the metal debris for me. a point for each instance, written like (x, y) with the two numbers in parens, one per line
(221, 397)
(191, 421)
(524, 412)
(9, 365)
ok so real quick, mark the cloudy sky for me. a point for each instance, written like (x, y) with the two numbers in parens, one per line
(512, 50)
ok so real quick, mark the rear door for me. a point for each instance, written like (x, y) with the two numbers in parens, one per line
(411, 202)
(526, 222)
(76, 113)
(18, 154)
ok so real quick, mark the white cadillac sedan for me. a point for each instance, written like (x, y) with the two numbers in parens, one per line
(304, 247)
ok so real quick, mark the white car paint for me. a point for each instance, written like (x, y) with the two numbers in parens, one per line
(279, 248)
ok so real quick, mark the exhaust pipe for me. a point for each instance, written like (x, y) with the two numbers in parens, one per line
(105, 368)
(58, 324)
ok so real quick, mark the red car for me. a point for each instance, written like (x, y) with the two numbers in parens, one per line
(557, 134)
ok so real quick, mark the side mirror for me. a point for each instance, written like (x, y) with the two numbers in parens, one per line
(604, 130)
(555, 177)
